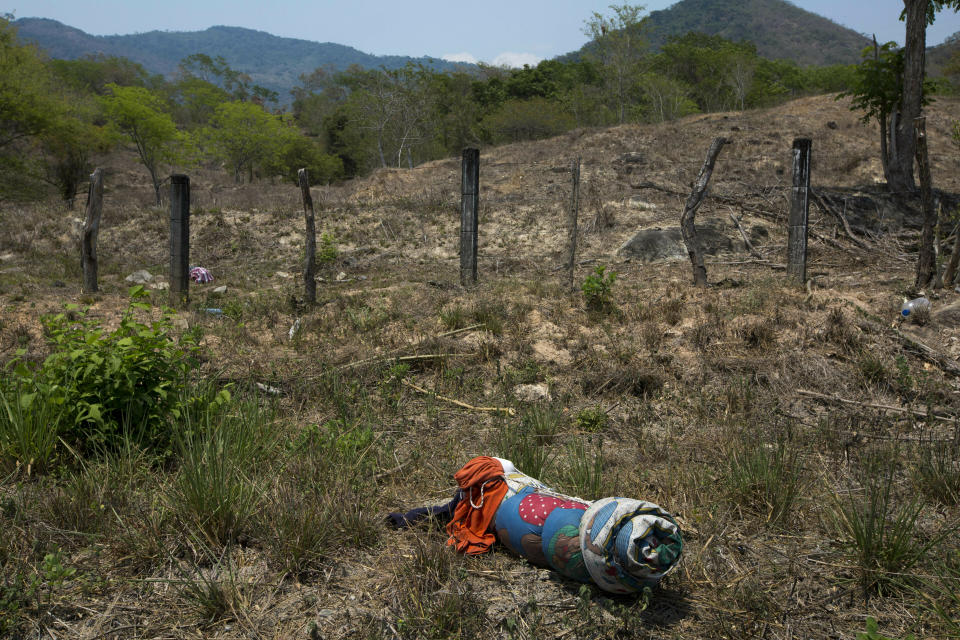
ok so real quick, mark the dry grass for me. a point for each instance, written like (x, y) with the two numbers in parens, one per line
(676, 395)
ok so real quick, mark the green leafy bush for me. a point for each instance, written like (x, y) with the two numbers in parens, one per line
(598, 289)
(106, 385)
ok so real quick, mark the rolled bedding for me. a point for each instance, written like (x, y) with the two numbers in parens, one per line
(620, 544)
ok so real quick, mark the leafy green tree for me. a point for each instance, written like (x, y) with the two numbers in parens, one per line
(719, 72)
(243, 136)
(456, 113)
(68, 147)
(665, 98)
(217, 72)
(619, 46)
(93, 73)
(28, 108)
(519, 120)
(141, 116)
(195, 100)
(315, 98)
(301, 152)
(877, 91)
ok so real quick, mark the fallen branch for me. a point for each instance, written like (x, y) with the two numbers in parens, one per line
(932, 356)
(506, 410)
(920, 413)
(746, 241)
(827, 207)
(379, 359)
(390, 472)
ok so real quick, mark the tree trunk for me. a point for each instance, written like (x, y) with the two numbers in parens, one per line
(91, 228)
(926, 261)
(310, 250)
(913, 75)
(687, 227)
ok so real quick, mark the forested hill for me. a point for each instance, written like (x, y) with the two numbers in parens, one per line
(780, 30)
(270, 61)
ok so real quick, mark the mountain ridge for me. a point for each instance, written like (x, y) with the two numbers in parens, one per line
(274, 62)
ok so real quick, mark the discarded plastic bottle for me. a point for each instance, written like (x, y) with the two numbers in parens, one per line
(914, 305)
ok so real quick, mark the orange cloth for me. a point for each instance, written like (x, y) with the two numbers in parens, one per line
(482, 482)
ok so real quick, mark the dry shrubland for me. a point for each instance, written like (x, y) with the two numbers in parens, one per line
(802, 515)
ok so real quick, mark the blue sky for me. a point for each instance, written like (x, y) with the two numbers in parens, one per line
(494, 31)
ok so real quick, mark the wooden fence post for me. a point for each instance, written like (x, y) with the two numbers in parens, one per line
(91, 228)
(574, 212)
(469, 223)
(926, 261)
(179, 239)
(799, 211)
(687, 227)
(309, 264)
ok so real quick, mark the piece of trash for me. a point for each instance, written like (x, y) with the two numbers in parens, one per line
(915, 305)
(139, 277)
(295, 329)
(268, 389)
(200, 275)
(213, 311)
(221, 289)
(341, 276)
(282, 274)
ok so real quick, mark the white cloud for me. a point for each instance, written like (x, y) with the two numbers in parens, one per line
(469, 58)
(511, 59)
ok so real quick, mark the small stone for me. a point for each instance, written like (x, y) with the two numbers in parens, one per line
(532, 392)
(139, 277)
(180, 322)
(161, 286)
(283, 274)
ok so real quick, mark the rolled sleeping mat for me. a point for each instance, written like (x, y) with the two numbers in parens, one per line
(543, 527)
(628, 544)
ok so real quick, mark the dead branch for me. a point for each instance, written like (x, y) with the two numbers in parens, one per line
(823, 201)
(507, 410)
(920, 413)
(687, 227)
(746, 241)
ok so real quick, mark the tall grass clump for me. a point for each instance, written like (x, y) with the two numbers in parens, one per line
(433, 600)
(324, 500)
(220, 448)
(937, 473)
(882, 533)
(30, 426)
(763, 478)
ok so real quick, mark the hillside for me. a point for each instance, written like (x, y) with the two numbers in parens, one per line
(271, 61)
(775, 421)
(780, 29)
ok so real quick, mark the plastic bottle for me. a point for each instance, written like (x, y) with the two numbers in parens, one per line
(914, 305)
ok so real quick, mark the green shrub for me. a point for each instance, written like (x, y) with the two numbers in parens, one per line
(598, 289)
(327, 252)
(592, 419)
(106, 385)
